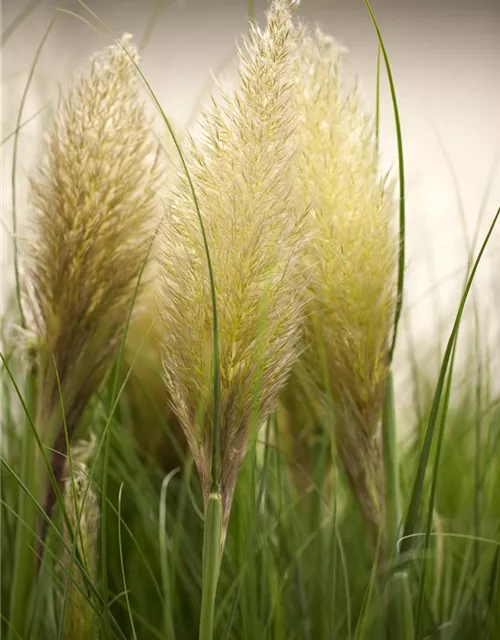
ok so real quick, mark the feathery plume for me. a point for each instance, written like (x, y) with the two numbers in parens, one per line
(94, 200)
(350, 264)
(243, 173)
(80, 619)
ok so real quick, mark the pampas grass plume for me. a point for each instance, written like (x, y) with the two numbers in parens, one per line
(350, 265)
(243, 173)
(94, 206)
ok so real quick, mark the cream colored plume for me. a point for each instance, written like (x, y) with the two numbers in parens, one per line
(244, 176)
(94, 206)
(349, 263)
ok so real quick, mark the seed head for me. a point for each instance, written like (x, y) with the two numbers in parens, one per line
(93, 201)
(349, 261)
(243, 172)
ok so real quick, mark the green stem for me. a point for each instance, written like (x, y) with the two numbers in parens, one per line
(391, 469)
(377, 103)
(400, 605)
(401, 611)
(212, 552)
(24, 558)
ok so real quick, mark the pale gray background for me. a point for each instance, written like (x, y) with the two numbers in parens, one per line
(445, 56)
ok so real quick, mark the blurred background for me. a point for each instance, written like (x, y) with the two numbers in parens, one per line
(445, 58)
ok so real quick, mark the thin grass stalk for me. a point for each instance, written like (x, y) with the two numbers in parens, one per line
(266, 574)
(478, 433)
(494, 592)
(391, 469)
(402, 189)
(168, 619)
(400, 607)
(318, 578)
(24, 563)
(247, 547)
(389, 433)
(377, 102)
(212, 552)
(122, 564)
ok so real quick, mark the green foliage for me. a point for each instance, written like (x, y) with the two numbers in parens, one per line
(279, 577)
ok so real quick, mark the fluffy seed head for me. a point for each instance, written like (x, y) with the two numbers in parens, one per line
(243, 173)
(349, 261)
(93, 200)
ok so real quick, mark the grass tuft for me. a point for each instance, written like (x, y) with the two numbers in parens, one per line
(199, 425)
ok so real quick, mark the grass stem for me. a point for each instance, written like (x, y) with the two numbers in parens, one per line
(391, 469)
(212, 545)
(24, 559)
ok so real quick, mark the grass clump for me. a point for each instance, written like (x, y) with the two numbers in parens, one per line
(259, 350)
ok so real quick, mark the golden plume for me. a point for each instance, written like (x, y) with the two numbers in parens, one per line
(94, 211)
(243, 173)
(349, 263)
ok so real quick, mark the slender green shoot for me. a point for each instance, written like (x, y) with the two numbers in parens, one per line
(391, 466)
(24, 566)
(168, 622)
(212, 547)
(401, 170)
(122, 564)
(377, 102)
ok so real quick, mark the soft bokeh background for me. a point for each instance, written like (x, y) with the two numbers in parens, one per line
(445, 56)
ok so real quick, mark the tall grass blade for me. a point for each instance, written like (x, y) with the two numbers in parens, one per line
(24, 565)
(168, 621)
(391, 467)
(122, 564)
(401, 170)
